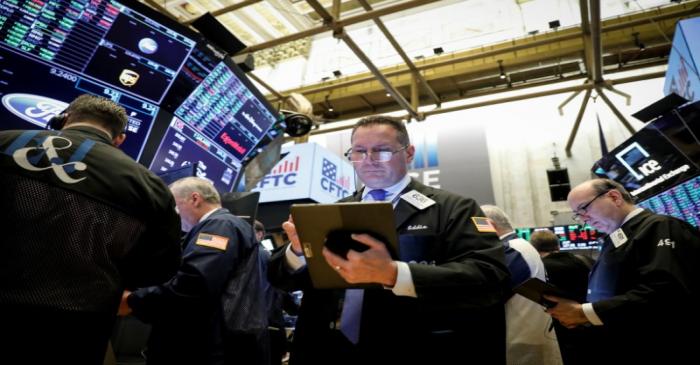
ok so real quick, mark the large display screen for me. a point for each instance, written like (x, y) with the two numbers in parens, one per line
(219, 127)
(33, 92)
(681, 201)
(662, 154)
(100, 40)
(571, 237)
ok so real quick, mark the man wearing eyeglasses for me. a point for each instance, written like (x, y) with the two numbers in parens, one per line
(643, 289)
(441, 301)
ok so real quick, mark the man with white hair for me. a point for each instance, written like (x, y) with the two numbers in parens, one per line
(529, 335)
(213, 310)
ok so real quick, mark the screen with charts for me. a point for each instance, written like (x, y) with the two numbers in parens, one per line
(100, 40)
(32, 92)
(681, 201)
(219, 126)
(571, 237)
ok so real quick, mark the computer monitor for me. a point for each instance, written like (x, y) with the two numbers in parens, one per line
(121, 50)
(681, 201)
(242, 204)
(221, 125)
(175, 174)
(571, 237)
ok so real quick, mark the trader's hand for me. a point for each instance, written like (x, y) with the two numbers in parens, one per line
(291, 230)
(568, 312)
(124, 309)
(372, 266)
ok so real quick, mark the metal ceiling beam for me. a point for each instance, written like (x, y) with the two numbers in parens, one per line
(577, 123)
(547, 40)
(161, 9)
(614, 109)
(583, 87)
(266, 86)
(596, 44)
(586, 34)
(226, 9)
(400, 51)
(404, 5)
(340, 33)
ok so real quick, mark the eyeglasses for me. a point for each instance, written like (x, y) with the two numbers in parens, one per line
(381, 155)
(583, 209)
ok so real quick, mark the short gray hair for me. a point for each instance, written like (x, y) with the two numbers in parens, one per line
(600, 186)
(498, 216)
(203, 187)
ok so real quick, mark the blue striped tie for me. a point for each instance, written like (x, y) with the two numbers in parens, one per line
(351, 316)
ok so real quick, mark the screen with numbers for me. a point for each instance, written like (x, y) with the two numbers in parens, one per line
(51, 51)
(219, 126)
(681, 201)
(571, 237)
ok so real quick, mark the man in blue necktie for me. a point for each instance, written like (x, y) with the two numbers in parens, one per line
(442, 299)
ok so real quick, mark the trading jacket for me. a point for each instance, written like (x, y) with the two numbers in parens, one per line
(646, 290)
(80, 221)
(213, 310)
(459, 276)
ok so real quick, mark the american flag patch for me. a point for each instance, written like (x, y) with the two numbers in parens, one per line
(212, 240)
(483, 224)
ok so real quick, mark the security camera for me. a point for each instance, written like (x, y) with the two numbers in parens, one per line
(297, 125)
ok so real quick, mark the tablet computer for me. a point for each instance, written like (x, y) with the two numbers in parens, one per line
(534, 289)
(330, 225)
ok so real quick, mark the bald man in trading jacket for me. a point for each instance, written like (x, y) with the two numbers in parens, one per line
(442, 300)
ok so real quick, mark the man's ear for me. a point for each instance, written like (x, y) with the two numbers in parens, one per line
(118, 140)
(410, 153)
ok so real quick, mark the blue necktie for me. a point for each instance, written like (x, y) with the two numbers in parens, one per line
(351, 315)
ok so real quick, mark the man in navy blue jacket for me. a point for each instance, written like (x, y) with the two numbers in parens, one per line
(213, 310)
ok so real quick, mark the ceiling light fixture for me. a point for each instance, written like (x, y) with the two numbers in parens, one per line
(502, 76)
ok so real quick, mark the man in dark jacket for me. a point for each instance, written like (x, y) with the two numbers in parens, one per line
(442, 300)
(213, 310)
(643, 289)
(81, 221)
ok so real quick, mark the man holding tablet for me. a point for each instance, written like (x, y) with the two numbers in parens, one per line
(441, 301)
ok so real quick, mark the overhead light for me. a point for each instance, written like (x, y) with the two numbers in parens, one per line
(502, 75)
(638, 42)
(438, 50)
(388, 95)
(337, 73)
(554, 24)
(325, 78)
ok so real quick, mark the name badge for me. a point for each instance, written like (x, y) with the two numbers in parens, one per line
(417, 199)
(618, 237)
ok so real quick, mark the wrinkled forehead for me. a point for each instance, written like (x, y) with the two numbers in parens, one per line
(581, 195)
(374, 135)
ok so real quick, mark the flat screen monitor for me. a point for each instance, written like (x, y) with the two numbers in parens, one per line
(122, 44)
(32, 92)
(242, 204)
(178, 173)
(571, 237)
(662, 154)
(220, 125)
(681, 201)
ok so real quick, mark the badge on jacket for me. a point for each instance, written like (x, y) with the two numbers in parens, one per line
(212, 240)
(417, 199)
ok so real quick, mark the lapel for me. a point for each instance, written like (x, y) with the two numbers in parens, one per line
(405, 210)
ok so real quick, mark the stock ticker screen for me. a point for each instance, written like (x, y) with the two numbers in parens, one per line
(99, 39)
(218, 127)
(681, 201)
(52, 51)
(571, 237)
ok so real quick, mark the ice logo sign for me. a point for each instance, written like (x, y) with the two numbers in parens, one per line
(34, 109)
(636, 156)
